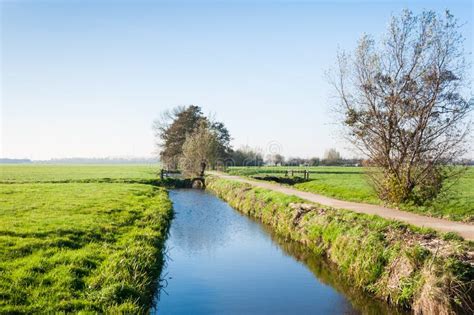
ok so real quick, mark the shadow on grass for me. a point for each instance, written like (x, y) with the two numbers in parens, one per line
(282, 180)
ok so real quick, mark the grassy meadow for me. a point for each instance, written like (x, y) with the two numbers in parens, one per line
(80, 246)
(90, 237)
(27, 173)
(350, 183)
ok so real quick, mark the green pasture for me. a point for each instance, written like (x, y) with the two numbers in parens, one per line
(70, 247)
(11, 173)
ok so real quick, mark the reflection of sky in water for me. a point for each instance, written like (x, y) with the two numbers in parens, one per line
(201, 225)
(224, 263)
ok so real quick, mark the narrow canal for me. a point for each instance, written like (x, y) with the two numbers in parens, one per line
(222, 262)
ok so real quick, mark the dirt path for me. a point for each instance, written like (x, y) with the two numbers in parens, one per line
(464, 229)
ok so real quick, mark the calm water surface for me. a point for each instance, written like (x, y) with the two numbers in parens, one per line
(222, 262)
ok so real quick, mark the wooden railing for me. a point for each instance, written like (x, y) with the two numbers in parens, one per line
(168, 173)
(293, 172)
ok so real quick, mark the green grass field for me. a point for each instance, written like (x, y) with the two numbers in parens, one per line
(350, 183)
(69, 247)
(10, 173)
(90, 237)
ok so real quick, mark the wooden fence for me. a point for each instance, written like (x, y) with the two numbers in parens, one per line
(169, 173)
(293, 172)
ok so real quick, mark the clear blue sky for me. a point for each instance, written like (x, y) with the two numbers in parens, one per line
(87, 78)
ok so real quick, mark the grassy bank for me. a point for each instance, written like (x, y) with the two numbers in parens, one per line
(350, 183)
(70, 247)
(406, 266)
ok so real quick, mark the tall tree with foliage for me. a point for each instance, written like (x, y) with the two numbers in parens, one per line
(171, 132)
(405, 104)
(175, 126)
(224, 148)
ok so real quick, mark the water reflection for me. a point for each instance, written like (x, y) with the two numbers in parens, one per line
(200, 225)
(222, 262)
(327, 273)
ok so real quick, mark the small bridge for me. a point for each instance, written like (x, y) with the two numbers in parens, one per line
(198, 182)
(194, 182)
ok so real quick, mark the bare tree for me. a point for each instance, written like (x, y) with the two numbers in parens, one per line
(200, 150)
(278, 159)
(332, 155)
(275, 159)
(405, 104)
(246, 156)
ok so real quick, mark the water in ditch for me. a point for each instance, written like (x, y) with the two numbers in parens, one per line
(222, 262)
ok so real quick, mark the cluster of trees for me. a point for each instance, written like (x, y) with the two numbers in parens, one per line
(331, 158)
(189, 141)
(405, 104)
(245, 156)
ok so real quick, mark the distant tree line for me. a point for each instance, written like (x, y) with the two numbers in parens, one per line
(14, 161)
(245, 156)
(79, 160)
(331, 158)
(106, 160)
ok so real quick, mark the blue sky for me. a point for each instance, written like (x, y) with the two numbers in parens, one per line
(87, 78)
